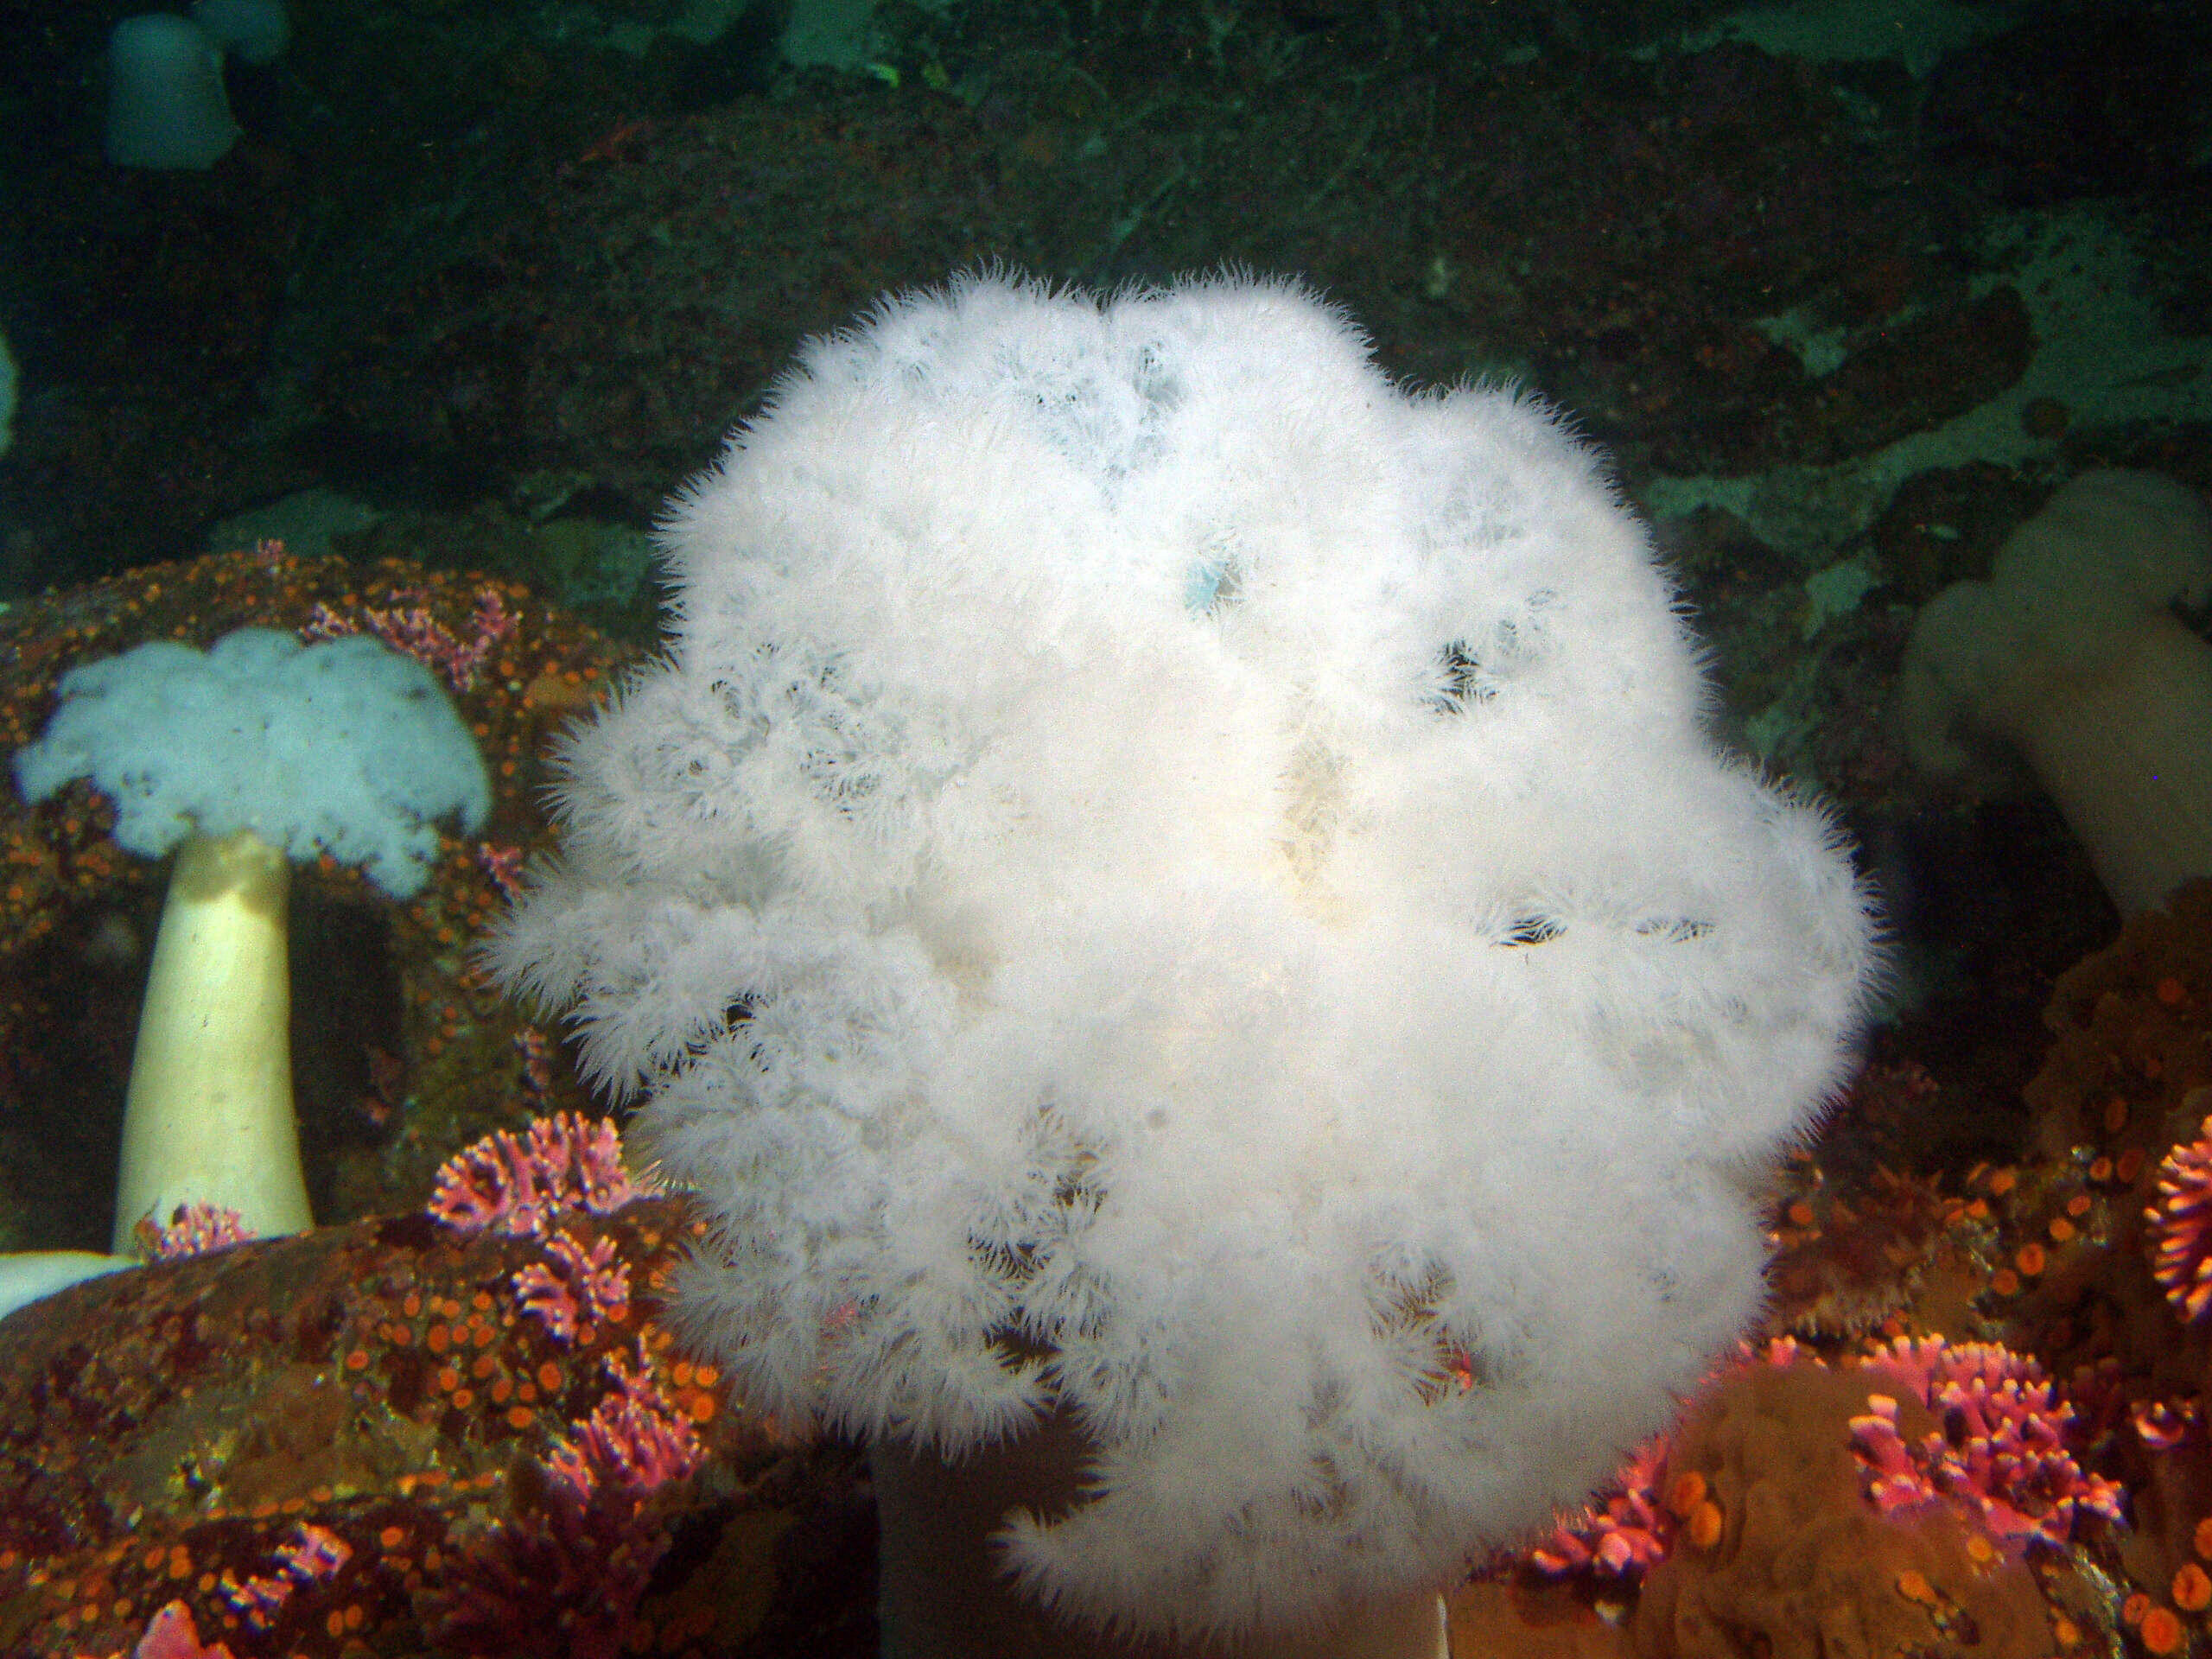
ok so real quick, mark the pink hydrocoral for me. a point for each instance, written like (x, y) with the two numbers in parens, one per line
(635, 1438)
(414, 632)
(315, 1552)
(2000, 1455)
(193, 1230)
(2181, 1225)
(514, 1183)
(580, 1286)
(1635, 1529)
(564, 1574)
(2164, 1425)
(1626, 1538)
(503, 865)
(171, 1633)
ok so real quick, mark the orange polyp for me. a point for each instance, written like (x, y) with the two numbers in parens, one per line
(2192, 1589)
(1685, 1493)
(1705, 1524)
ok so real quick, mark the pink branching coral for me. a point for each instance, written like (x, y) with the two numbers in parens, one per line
(315, 1552)
(580, 1286)
(1638, 1524)
(2001, 1455)
(258, 1600)
(193, 1230)
(503, 865)
(171, 1634)
(516, 1182)
(414, 632)
(2181, 1225)
(564, 1574)
(635, 1438)
(1622, 1541)
(536, 1062)
(2164, 1425)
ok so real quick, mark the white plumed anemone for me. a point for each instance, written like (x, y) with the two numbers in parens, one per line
(1166, 885)
(2073, 653)
(239, 758)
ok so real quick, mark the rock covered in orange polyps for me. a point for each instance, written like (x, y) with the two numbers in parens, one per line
(369, 1439)
(2133, 1030)
(2116, 1196)
(1805, 1568)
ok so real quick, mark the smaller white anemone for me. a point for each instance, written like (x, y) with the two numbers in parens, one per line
(2073, 654)
(241, 757)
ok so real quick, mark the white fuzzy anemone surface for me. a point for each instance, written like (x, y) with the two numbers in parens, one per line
(1164, 879)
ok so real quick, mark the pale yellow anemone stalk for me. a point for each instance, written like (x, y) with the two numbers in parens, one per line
(237, 760)
(208, 1118)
